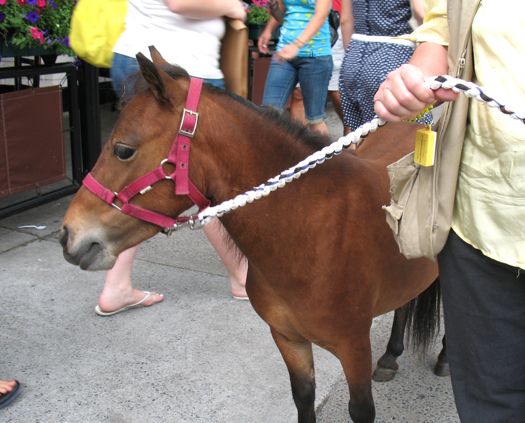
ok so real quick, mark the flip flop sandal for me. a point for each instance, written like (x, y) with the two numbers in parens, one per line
(140, 303)
(6, 399)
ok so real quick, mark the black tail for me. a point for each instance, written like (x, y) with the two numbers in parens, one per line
(424, 314)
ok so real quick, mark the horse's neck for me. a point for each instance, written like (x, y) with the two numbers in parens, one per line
(248, 153)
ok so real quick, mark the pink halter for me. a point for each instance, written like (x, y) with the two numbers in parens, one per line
(178, 156)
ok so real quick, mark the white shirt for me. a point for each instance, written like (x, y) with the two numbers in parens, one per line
(192, 44)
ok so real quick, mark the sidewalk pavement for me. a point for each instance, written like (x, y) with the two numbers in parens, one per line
(200, 356)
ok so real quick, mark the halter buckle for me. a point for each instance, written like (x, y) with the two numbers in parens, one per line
(182, 129)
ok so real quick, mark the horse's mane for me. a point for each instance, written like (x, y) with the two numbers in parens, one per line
(297, 131)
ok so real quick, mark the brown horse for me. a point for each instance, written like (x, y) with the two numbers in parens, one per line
(322, 260)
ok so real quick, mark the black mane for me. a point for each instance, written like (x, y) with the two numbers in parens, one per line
(294, 129)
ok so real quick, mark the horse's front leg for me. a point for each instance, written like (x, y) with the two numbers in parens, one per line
(300, 363)
(356, 359)
(387, 365)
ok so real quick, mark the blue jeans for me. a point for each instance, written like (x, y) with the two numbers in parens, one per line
(312, 73)
(123, 67)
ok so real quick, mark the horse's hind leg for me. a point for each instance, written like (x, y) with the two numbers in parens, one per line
(442, 368)
(387, 365)
(300, 363)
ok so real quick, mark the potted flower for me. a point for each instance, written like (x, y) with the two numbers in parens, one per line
(258, 14)
(41, 26)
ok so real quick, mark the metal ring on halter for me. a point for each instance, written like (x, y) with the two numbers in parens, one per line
(194, 223)
(166, 176)
(113, 204)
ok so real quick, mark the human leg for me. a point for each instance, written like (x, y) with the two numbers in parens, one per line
(122, 68)
(297, 106)
(233, 259)
(484, 312)
(338, 53)
(118, 291)
(314, 75)
(280, 82)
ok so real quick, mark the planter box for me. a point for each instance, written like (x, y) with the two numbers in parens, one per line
(31, 139)
(255, 31)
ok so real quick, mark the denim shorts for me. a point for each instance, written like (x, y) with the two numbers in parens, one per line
(313, 75)
(123, 67)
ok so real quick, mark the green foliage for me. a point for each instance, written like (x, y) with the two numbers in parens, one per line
(37, 23)
(258, 15)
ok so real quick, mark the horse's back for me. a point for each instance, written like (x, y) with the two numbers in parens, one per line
(389, 143)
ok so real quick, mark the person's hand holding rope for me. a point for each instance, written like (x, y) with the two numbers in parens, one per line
(404, 94)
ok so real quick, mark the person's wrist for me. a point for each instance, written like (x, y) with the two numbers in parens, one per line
(298, 43)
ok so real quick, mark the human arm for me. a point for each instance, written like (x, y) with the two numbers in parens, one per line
(208, 9)
(418, 10)
(277, 10)
(403, 94)
(347, 22)
(266, 35)
(322, 9)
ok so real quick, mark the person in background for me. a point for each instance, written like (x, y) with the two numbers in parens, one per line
(303, 56)
(338, 52)
(374, 50)
(9, 390)
(168, 25)
(481, 266)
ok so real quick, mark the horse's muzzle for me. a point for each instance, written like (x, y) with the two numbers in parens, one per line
(89, 254)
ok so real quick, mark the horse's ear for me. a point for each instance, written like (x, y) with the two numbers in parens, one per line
(156, 56)
(154, 79)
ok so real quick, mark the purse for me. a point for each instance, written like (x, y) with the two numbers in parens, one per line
(334, 21)
(234, 57)
(422, 198)
(96, 26)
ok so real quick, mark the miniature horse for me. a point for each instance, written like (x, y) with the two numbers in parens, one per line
(322, 260)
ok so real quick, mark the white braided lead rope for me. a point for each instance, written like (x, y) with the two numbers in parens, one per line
(443, 81)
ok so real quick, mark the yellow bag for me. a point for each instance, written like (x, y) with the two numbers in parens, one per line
(96, 26)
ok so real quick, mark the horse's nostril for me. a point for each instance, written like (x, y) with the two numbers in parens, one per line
(64, 234)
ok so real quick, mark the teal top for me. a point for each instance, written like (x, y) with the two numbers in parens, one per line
(298, 14)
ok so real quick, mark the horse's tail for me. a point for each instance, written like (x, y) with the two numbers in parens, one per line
(423, 319)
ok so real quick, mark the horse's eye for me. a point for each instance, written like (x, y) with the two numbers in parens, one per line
(123, 152)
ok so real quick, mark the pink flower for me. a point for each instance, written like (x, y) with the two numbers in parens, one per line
(2, 2)
(36, 34)
(21, 1)
(41, 3)
(260, 3)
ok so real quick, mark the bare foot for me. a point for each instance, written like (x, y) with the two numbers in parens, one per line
(238, 291)
(114, 300)
(238, 281)
(7, 386)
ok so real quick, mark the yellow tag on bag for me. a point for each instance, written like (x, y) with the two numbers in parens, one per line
(425, 146)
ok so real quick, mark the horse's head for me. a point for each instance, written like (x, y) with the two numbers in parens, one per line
(96, 227)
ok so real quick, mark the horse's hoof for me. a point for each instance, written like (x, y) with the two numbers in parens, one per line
(442, 369)
(382, 374)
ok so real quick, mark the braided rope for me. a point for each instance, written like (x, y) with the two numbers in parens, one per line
(469, 89)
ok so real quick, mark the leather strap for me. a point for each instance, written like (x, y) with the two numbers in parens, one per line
(179, 156)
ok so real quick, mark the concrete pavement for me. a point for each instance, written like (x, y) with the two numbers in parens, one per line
(200, 356)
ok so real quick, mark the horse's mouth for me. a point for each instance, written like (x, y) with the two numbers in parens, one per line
(87, 255)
